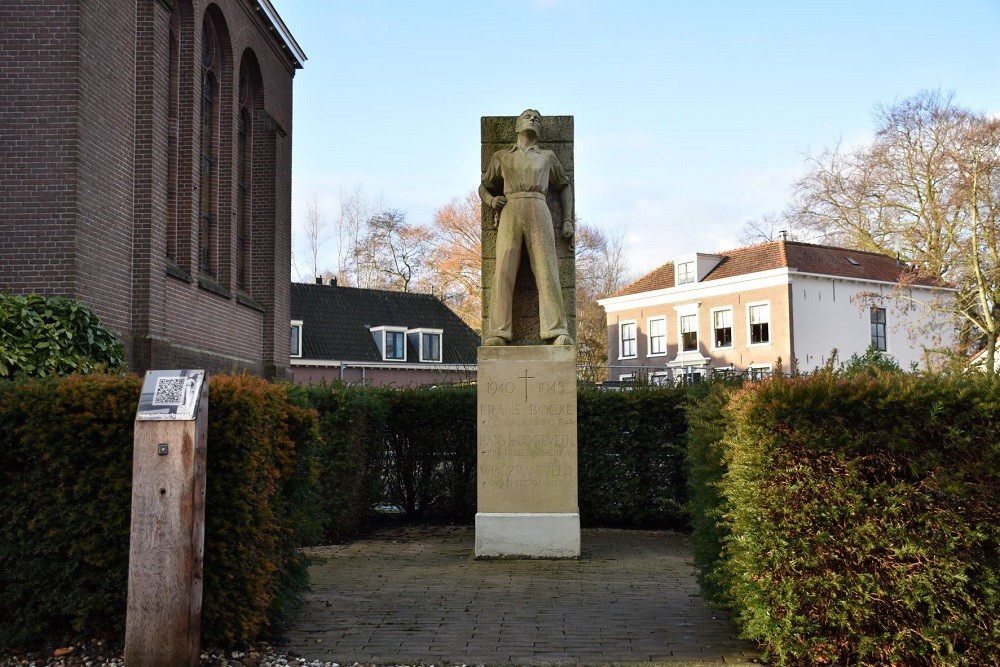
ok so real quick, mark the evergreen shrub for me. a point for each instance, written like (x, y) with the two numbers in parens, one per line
(863, 519)
(431, 453)
(705, 465)
(65, 490)
(631, 448)
(42, 336)
(353, 423)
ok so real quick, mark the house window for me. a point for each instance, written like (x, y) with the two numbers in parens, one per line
(760, 323)
(689, 333)
(761, 372)
(295, 344)
(878, 329)
(430, 348)
(626, 340)
(685, 273)
(722, 328)
(659, 379)
(657, 328)
(395, 345)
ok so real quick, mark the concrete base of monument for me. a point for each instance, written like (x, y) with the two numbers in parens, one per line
(527, 535)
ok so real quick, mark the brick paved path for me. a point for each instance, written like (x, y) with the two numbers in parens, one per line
(418, 596)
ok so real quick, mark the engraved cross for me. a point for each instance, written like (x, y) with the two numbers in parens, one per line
(525, 377)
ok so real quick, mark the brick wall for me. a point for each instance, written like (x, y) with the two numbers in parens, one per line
(85, 199)
(38, 145)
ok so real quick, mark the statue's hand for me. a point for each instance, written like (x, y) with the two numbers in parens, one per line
(568, 230)
(498, 203)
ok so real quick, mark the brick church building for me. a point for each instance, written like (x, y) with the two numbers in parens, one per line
(145, 169)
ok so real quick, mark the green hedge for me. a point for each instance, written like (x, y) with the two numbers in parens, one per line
(353, 423)
(65, 487)
(631, 448)
(861, 519)
(415, 450)
(65, 490)
(431, 453)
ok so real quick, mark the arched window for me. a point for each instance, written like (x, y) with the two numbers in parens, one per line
(173, 127)
(211, 71)
(244, 175)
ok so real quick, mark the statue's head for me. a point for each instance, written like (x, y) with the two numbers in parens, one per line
(529, 119)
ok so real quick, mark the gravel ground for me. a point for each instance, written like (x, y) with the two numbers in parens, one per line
(101, 654)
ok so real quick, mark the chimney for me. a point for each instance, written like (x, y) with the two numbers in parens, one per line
(333, 281)
(319, 280)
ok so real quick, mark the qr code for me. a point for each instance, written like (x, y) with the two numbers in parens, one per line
(169, 391)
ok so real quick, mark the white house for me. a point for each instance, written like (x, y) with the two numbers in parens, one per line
(779, 303)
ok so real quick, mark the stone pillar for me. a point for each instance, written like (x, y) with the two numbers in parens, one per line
(527, 505)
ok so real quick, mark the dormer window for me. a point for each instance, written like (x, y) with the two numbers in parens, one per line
(427, 343)
(391, 342)
(395, 345)
(295, 343)
(685, 273)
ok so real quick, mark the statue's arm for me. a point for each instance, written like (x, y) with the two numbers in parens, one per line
(566, 199)
(491, 186)
(559, 179)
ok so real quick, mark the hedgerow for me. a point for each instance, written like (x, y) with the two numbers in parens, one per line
(860, 519)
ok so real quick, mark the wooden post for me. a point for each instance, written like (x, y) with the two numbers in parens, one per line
(163, 621)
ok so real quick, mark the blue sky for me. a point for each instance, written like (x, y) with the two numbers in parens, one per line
(691, 116)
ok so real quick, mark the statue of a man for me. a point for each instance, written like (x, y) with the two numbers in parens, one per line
(514, 186)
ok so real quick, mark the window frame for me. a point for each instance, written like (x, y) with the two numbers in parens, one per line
(874, 325)
(750, 325)
(690, 273)
(381, 336)
(758, 372)
(715, 339)
(650, 337)
(295, 324)
(621, 340)
(209, 148)
(416, 338)
(385, 344)
(682, 343)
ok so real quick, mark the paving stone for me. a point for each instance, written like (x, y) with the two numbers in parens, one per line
(418, 595)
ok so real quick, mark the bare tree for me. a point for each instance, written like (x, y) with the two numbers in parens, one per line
(769, 227)
(456, 257)
(356, 210)
(393, 254)
(316, 234)
(926, 189)
(601, 270)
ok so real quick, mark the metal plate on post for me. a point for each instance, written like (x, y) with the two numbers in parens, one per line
(170, 395)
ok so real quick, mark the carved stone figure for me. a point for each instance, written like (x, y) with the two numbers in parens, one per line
(514, 186)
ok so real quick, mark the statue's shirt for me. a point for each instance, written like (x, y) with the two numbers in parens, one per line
(529, 170)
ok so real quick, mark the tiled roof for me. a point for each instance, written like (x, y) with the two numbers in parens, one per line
(802, 257)
(336, 322)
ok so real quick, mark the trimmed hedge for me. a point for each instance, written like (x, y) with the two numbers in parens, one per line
(65, 490)
(353, 422)
(65, 487)
(415, 449)
(861, 518)
(431, 453)
(631, 448)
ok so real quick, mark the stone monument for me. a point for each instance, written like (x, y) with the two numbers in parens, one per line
(527, 504)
